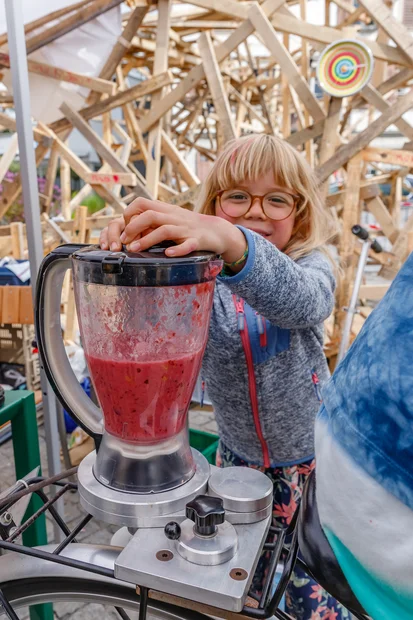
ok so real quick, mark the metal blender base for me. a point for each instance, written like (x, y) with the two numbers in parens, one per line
(146, 561)
(138, 510)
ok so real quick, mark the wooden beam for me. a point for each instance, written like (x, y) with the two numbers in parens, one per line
(373, 292)
(388, 156)
(347, 151)
(135, 92)
(377, 207)
(82, 170)
(284, 21)
(196, 74)
(180, 165)
(350, 217)
(160, 65)
(122, 44)
(104, 192)
(330, 137)
(372, 96)
(287, 64)
(46, 199)
(62, 236)
(308, 133)
(130, 119)
(216, 86)
(9, 123)
(227, 8)
(65, 186)
(383, 16)
(62, 75)
(8, 156)
(92, 137)
(246, 104)
(12, 191)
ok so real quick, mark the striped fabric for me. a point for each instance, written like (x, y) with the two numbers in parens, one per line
(364, 455)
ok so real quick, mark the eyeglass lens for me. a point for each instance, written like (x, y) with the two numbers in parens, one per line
(276, 205)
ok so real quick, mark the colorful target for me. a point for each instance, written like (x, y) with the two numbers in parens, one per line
(344, 68)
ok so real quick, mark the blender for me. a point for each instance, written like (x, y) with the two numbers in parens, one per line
(144, 321)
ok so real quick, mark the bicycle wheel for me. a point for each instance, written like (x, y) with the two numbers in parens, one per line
(27, 581)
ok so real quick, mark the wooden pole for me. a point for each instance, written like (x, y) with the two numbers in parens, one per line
(216, 87)
(160, 65)
(350, 217)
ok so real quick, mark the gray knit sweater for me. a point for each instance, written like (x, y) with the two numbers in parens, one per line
(289, 365)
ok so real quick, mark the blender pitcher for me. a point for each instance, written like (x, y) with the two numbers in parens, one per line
(143, 322)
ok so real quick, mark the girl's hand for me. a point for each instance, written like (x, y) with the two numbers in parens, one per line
(110, 236)
(146, 223)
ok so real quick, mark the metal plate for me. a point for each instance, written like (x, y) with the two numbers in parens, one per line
(212, 585)
(132, 509)
(242, 489)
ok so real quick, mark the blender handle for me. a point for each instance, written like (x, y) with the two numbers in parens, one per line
(52, 353)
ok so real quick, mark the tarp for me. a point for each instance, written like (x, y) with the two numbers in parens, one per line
(84, 50)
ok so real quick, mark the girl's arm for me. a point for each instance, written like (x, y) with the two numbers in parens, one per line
(288, 293)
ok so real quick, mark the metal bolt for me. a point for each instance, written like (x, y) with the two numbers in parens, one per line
(6, 518)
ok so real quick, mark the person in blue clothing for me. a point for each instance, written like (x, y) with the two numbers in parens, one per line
(264, 364)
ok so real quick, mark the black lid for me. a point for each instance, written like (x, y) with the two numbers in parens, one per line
(149, 268)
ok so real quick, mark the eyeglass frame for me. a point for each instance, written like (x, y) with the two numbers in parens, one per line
(261, 199)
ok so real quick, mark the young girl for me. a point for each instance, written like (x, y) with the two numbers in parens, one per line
(264, 362)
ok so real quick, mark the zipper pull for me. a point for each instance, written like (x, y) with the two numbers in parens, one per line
(239, 307)
(262, 330)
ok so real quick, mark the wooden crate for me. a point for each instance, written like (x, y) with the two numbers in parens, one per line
(16, 306)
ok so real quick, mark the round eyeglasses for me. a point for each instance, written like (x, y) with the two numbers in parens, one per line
(276, 205)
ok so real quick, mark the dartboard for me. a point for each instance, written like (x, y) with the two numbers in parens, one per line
(344, 67)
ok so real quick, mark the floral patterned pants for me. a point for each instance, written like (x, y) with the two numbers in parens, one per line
(304, 598)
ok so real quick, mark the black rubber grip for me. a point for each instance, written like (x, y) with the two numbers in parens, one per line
(360, 232)
(376, 247)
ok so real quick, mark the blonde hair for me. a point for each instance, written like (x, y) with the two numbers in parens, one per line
(252, 156)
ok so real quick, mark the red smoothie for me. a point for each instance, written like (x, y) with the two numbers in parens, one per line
(145, 401)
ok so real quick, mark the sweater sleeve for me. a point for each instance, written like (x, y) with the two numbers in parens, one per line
(290, 294)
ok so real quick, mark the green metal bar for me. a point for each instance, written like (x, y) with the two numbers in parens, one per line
(20, 410)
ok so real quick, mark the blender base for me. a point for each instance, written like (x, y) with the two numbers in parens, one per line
(151, 560)
(133, 509)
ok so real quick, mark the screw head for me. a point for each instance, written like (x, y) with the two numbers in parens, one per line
(164, 555)
(239, 574)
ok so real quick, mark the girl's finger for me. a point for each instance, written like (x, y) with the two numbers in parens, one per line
(184, 248)
(167, 232)
(149, 219)
(103, 239)
(142, 205)
(115, 229)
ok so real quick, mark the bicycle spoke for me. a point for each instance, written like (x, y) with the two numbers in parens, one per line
(122, 613)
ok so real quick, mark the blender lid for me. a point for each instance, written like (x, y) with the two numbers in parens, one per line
(148, 268)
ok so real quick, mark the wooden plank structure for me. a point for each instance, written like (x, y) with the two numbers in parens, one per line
(200, 85)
